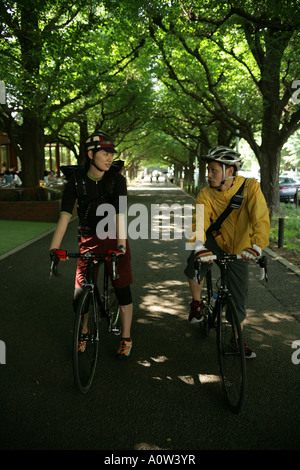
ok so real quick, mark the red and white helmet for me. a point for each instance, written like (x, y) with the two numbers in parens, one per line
(100, 141)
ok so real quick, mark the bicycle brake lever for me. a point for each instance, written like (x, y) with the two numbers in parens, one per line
(262, 261)
(51, 270)
(262, 274)
(54, 269)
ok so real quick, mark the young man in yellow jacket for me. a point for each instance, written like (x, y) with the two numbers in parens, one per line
(245, 230)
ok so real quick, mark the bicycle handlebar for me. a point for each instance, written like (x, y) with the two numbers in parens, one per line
(57, 255)
(261, 260)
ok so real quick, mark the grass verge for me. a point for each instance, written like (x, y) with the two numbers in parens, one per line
(14, 233)
(291, 216)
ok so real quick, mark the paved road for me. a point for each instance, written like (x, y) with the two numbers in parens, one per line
(167, 396)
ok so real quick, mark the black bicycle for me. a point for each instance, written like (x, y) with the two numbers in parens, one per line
(220, 313)
(92, 309)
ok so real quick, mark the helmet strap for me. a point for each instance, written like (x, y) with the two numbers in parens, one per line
(92, 161)
(225, 178)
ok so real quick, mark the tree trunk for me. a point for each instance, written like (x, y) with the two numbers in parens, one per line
(269, 152)
(202, 166)
(32, 156)
(32, 131)
(269, 169)
(189, 169)
(83, 126)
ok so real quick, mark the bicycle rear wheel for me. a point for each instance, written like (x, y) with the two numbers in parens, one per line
(231, 354)
(85, 357)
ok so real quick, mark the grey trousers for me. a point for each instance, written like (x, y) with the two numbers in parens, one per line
(237, 281)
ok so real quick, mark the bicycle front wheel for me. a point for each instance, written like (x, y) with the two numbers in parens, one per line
(231, 354)
(85, 340)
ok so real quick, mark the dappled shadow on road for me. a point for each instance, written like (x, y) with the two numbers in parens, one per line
(179, 368)
(176, 359)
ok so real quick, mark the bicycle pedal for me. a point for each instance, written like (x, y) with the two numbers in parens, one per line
(115, 330)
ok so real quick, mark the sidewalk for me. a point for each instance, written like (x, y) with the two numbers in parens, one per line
(283, 261)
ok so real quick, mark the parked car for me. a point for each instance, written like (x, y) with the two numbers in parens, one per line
(288, 188)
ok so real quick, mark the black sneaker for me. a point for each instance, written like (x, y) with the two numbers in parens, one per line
(196, 311)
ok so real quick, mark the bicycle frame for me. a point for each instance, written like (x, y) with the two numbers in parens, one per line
(89, 281)
(93, 261)
(102, 297)
(223, 291)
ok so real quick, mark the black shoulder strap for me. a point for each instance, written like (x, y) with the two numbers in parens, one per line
(235, 203)
(79, 173)
(117, 165)
(80, 184)
(68, 170)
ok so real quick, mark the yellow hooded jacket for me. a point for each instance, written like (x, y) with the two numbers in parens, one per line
(249, 225)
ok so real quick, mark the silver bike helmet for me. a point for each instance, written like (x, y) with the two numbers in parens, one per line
(225, 156)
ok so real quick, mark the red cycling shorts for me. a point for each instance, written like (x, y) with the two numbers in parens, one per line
(93, 243)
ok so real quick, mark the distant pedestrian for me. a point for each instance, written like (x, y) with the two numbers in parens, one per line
(8, 177)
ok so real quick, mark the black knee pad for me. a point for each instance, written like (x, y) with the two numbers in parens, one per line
(123, 295)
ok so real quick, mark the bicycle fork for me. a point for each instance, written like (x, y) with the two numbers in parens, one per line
(92, 338)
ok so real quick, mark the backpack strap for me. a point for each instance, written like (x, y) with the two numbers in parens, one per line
(80, 176)
(235, 203)
(80, 185)
(79, 173)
